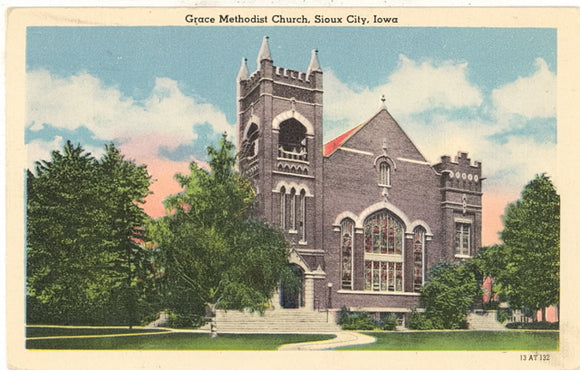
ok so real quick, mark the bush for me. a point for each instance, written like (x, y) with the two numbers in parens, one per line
(447, 295)
(356, 320)
(389, 323)
(180, 320)
(542, 325)
(419, 321)
(503, 314)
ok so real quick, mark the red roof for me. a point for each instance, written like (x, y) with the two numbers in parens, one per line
(332, 145)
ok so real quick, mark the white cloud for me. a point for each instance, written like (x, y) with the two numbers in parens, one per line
(165, 118)
(412, 88)
(420, 87)
(530, 97)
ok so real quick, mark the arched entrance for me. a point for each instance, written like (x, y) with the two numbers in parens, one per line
(292, 296)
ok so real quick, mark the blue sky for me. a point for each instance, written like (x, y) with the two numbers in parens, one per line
(165, 93)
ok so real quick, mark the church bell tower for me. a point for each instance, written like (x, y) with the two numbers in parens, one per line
(280, 143)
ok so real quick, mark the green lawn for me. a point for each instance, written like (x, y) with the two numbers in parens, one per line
(462, 341)
(53, 331)
(175, 341)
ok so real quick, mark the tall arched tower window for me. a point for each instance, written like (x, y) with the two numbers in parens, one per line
(383, 235)
(346, 247)
(251, 141)
(292, 140)
(418, 258)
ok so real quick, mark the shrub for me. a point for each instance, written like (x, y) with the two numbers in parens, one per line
(448, 294)
(542, 325)
(503, 314)
(389, 323)
(419, 321)
(355, 320)
(180, 320)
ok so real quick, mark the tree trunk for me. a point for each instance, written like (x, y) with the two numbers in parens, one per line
(211, 314)
(544, 314)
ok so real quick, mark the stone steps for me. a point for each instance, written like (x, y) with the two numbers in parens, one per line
(276, 321)
(484, 320)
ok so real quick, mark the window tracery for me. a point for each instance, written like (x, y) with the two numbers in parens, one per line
(383, 239)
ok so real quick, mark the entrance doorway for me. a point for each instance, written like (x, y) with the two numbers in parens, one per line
(292, 296)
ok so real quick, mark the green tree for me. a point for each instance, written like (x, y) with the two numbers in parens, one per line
(490, 262)
(216, 255)
(83, 236)
(448, 294)
(531, 238)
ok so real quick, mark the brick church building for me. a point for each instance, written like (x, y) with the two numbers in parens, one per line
(366, 214)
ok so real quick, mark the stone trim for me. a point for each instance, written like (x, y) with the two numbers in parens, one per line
(423, 224)
(378, 293)
(297, 116)
(380, 206)
(380, 309)
(253, 119)
(460, 204)
(342, 216)
(413, 161)
(290, 185)
(293, 174)
(310, 252)
(355, 151)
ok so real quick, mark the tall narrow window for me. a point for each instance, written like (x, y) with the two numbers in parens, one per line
(283, 208)
(462, 238)
(346, 246)
(293, 209)
(303, 215)
(418, 256)
(384, 174)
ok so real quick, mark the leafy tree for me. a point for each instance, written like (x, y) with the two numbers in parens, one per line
(490, 262)
(83, 237)
(215, 254)
(531, 238)
(448, 294)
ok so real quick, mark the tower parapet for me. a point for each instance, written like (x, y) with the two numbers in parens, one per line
(460, 173)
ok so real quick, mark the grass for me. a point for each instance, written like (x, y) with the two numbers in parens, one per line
(462, 341)
(167, 341)
(53, 331)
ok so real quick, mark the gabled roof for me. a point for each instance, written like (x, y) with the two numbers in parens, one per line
(334, 144)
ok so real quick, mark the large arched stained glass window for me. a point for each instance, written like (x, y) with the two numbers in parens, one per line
(383, 236)
(346, 244)
(418, 256)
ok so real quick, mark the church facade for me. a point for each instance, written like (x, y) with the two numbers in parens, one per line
(366, 215)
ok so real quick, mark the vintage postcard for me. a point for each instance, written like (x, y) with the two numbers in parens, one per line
(215, 187)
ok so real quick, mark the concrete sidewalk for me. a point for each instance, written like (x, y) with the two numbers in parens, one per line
(343, 339)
